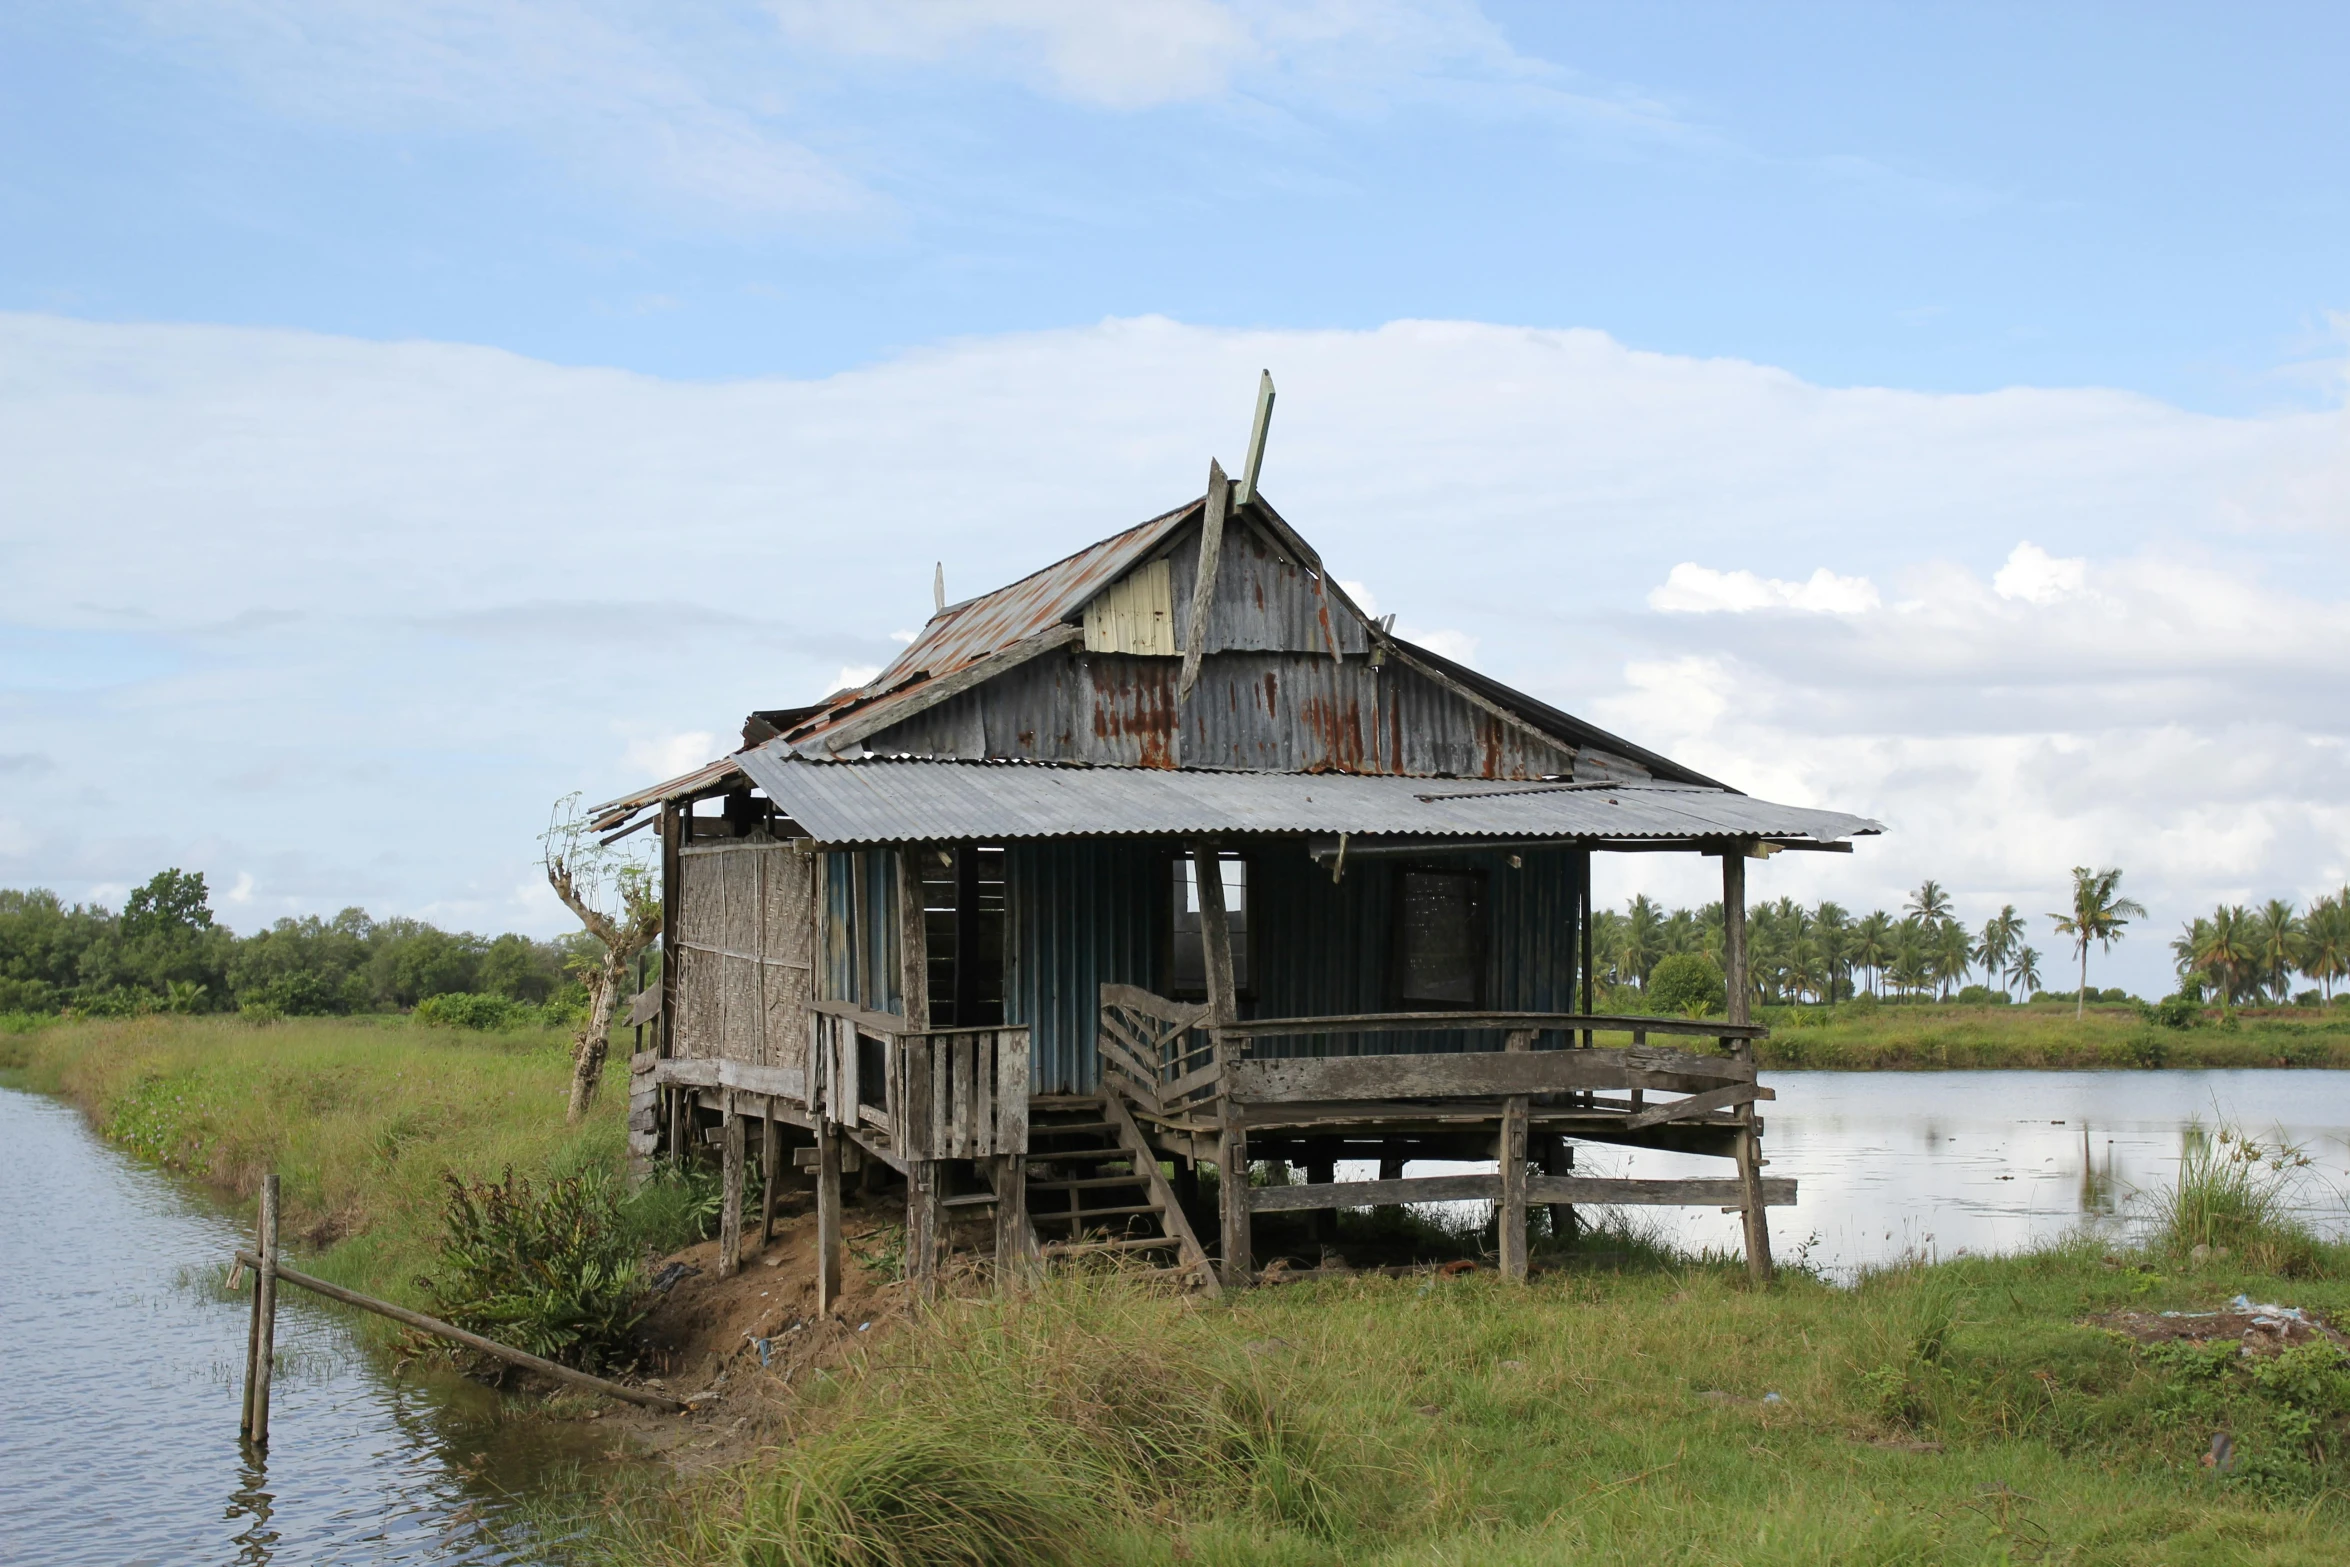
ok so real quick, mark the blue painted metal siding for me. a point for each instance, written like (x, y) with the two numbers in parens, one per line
(1089, 912)
(860, 946)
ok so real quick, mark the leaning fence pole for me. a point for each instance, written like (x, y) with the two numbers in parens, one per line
(261, 1343)
(506, 1352)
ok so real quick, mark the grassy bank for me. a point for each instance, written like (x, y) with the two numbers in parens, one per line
(359, 1117)
(1955, 1413)
(1936, 1037)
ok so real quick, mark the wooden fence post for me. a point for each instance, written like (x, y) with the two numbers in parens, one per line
(261, 1346)
(1511, 1210)
(1215, 929)
(827, 1215)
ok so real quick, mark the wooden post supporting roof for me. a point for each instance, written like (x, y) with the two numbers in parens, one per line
(1735, 973)
(1215, 928)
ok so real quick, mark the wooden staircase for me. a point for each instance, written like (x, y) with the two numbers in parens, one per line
(1095, 1188)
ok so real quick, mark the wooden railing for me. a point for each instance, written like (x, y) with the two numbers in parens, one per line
(1196, 1076)
(935, 1093)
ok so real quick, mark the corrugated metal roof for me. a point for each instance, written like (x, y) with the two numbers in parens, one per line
(962, 634)
(612, 813)
(884, 801)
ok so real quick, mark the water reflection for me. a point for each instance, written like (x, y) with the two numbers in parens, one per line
(122, 1370)
(1900, 1164)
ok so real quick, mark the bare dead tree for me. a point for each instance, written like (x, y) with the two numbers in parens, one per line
(617, 899)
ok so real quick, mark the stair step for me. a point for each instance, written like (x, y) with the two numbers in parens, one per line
(1049, 1216)
(970, 1200)
(1070, 1127)
(1087, 1183)
(1074, 1248)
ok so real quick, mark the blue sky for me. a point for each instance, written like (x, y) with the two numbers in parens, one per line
(1946, 198)
(1935, 412)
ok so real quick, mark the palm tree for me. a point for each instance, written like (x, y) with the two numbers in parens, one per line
(2224, 951)
(1953, 954)
(1872, 944)
(2325, 951)
(1929, 903)
(1640, 939)
(2002, 934)
(1910, 947)
(2277, 937)
(2023, 970)
(1833, 928)
(2099, 914)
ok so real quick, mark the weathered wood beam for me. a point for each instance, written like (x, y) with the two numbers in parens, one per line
(1697, 1105)
(1203, 591)
(1777, 1192)
(828, 1240)
(1491, 1074)
(1415, 1022)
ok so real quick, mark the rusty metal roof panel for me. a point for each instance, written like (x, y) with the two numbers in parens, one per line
(881, 801)
(612, 813)
(962, 634)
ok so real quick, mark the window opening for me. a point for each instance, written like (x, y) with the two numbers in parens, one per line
(963, 907)
(1189, 977)
(1439, 940)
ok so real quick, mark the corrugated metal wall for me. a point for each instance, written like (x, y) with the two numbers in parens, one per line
(860, 948)
(1089, 912)
(1085, 912)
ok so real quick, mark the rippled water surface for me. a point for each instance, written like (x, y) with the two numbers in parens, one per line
(1892, 1164)
(121, 1362)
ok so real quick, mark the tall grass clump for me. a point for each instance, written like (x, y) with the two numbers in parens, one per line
(1026, 1431)
(553, 1269)
(2236, 1192)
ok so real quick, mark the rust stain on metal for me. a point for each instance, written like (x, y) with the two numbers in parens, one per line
(1140, 706)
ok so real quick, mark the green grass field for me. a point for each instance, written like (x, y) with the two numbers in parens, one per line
(1945, 1414)
(1614, 1411)
(2046, 1037)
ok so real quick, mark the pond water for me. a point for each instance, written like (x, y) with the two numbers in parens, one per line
(121, 1370)
(1896, 1164)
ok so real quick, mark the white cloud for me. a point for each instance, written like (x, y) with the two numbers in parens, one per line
(666, 756)
(2035, 576)
(854, 675)
(1361, 593)
(242, 892)
(184, 500)
(1695, 589)
(1458, 646)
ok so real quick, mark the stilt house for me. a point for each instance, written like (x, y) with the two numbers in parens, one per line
(1168, 858)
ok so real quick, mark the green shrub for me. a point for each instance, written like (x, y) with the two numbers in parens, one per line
(552, 1271)
(1687, 984)
(467, 1009)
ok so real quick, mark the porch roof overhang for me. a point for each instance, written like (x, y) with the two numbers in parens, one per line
(906, 801)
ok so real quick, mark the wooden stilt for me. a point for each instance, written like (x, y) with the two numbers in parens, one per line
(1013, 1255)
(1741, 993)
(925, 1190)
(1322, 1169)
(261, 1347)
(1232, 1212)
(827, 1216)
(1558, 1158)
(1511, 1210)
(1215, 928)
(730, 1188)
(770, 1166)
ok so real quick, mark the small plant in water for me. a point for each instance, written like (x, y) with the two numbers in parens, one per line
(2233, 1190)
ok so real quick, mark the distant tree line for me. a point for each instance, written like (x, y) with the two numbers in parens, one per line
(163, 951)
(2243, 955)
(1822, 953)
